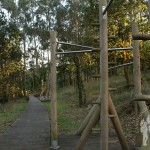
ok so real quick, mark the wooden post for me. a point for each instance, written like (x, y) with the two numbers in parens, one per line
(117, 126)
(88, 130)
(142, 97)
(137, 71)
(54, 134)
(137, 81)
(94, 120)
(104, 75)
(87, 118)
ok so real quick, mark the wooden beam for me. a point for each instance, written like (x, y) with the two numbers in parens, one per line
(88, 130)
(117, 125)
(141, 36)
(137, 70)
(94, 119)
(54, 132)
(137, 84)
(104, 75)
(142, 98)
(87, 118)
(112, 89)
(96, 129)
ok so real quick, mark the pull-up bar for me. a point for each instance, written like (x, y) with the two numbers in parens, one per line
(78, 45)
(141, 36)
(90, 51)
(75, 52)
(120, 49)
(119, 66)
(107, 7)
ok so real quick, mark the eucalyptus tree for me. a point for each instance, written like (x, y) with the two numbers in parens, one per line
(33, 29)
(67, 26)
(10, 55)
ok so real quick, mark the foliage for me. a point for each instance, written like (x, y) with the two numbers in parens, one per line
(145, 55)
(10, 55)
(28, 24)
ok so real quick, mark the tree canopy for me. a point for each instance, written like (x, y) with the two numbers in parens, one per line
(25, 40)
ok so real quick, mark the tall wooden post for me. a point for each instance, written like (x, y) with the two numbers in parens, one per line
(104, 76)
(137, 80)
(137, 72)
(54, 134)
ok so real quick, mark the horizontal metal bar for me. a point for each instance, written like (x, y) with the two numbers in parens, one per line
(119, 66)
(90, 51)
(107, 7)
(119, 49)
(78, 45)
(141, 36)
(75, 52)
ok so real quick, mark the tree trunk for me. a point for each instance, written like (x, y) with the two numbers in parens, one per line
(24, 69)
(81, 90)
(126, 72)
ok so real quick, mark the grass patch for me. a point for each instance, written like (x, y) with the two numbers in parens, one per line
(9, 113)
(69, 114)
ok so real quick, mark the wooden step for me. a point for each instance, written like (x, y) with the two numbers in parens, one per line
(142, 98)
(112, 89)
(98, 103)
(112, 116)
(113, 141)
(96, 129)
